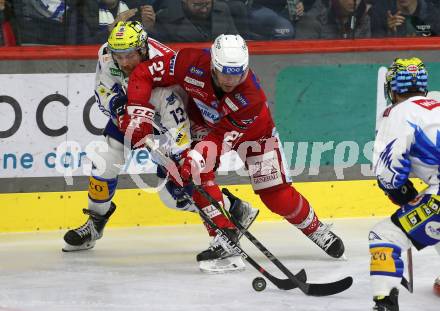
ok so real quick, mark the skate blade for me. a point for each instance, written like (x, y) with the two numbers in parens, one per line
(75, 248)
(221, 266)
(342, 258)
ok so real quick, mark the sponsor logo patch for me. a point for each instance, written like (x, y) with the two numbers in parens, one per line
(230, 104)
(264, 171)
(209, 114)
(232, 70)
(194, 82)
(241, 99)
(427, 103)
(196, 91)
(196, 71)
(115, 72)
(172, 65)
(432, 229)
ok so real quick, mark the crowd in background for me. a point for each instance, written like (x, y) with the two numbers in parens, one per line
(60, 22)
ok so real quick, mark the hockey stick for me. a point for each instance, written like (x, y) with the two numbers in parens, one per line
(409, 283)
(299, 280)
(284, 284)
(310, 289)
(294, 281)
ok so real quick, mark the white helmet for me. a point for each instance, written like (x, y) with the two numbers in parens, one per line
(229, 54)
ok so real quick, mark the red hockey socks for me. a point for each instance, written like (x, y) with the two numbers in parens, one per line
(295, 208)
(216, 216)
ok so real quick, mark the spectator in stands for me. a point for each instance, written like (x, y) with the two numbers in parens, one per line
(336, 19)
(405, 18)
(194, 20)
(239, 12)
(99, 17)
(2, 20)
(275, 19)
(7, 34)
(44, 21)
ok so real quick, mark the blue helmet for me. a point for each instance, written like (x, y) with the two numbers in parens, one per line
(406, 76)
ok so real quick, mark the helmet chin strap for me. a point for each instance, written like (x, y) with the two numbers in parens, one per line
(144, 52)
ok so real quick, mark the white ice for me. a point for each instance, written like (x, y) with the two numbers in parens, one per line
(154, 269)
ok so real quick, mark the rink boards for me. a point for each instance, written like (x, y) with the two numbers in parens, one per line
(62, 210)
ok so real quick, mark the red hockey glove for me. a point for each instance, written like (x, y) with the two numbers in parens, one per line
(192, 165)
(136, 123)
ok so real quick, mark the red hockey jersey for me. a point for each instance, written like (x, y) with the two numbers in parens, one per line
(238, 116)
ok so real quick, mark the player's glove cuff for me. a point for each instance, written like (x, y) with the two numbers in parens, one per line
(403, 195)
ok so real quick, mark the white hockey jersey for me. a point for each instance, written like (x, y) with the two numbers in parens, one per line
(408, 141)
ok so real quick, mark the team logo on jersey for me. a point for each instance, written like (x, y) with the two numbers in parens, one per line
(209, 114)
(194, 81)
(116, 72)
(214, 104)
(171, 99)
(172, 65)
(432, 229)
(196, 71)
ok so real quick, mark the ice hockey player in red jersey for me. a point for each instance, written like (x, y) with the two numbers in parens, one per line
(228, 111)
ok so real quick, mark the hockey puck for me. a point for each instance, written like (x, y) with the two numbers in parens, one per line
(259, 284)
(436, 287)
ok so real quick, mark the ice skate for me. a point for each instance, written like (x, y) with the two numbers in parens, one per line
(328, 241)
(241, 211)
(85, 237)
(387, 303)
(219, 258)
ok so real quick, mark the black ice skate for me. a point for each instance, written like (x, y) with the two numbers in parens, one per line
(241, 212)
(328, 241)
(219, 258)
(387, 303)
(85, 237)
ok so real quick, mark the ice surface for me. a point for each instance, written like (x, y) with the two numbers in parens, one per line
(154, 269)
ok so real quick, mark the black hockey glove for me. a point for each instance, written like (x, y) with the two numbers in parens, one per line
(402, 195)
(117, 106)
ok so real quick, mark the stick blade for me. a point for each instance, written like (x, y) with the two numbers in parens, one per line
(327, 289)
(287, 284)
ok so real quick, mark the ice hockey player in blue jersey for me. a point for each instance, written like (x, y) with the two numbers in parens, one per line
(407, 142)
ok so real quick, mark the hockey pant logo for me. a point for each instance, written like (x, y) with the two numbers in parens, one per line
(100, 189)
(386, 260)
(265, 170)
